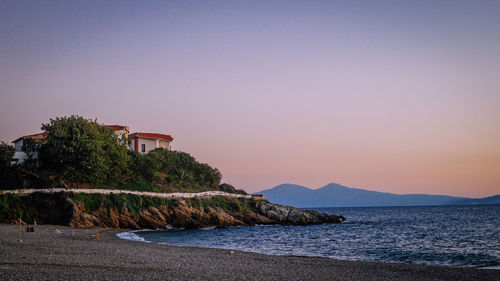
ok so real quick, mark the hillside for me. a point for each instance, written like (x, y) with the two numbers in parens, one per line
(336, 195)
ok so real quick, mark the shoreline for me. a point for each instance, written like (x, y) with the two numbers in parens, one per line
(142, 240)
(58, 252)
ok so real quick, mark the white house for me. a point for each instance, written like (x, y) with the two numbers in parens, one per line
(120, 131)
(145, 142)
(19, 155)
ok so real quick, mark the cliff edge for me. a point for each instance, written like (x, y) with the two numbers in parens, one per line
(141, 212)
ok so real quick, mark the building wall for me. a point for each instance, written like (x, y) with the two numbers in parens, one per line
(122, 134)
(20, 156)
(18, 145)
(131, 145)
(19, 153)
(164, 144)
(150, 145)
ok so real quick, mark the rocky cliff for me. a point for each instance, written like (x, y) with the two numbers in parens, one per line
(136, 212)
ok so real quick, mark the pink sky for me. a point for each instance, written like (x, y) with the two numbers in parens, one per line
(401, 98)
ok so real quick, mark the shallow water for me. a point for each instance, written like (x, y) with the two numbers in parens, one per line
(466, 236)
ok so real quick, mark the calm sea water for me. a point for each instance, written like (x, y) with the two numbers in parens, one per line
(467, 236)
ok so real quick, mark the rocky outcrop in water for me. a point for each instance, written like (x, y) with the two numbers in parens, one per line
(294, 216)
(186, 216)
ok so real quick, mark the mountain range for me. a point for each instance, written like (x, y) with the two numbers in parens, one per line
(336, 195)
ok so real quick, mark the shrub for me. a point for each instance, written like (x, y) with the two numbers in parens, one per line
(133, 203)
(6, 154)
(91, 202)
(168, 168)
(83, 151)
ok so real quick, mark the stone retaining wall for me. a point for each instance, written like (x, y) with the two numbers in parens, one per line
(118, 191)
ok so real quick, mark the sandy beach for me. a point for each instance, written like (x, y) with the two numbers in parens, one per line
(62, 253)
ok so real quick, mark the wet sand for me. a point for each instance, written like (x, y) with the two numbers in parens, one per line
(62, 253)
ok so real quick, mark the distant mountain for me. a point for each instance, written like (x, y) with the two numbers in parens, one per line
(336, 195)
(492, 200)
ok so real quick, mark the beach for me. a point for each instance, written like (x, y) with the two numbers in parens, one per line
(62, 253)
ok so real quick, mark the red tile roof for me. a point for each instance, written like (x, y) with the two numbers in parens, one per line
(42, 135)
(151, 136)
(116, 127)
(34, 136)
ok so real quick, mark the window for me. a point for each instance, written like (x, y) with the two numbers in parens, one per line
(143, 147)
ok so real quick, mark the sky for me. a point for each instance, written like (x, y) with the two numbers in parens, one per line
(393, 96)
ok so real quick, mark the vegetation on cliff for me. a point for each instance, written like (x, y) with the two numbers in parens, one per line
(44, 208)
(171, 171)
(9, 174)
(78, 152)
(137, 212)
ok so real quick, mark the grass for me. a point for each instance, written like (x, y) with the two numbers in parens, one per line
(55, 209)
(134, 203)
(45, 208)
(4, 206)
(225, 203)
(121, 202)
(91, 202)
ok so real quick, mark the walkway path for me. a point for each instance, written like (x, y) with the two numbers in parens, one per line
(118, 191)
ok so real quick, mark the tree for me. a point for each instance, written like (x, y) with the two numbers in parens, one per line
(9, 174)
(6, 154)
(31, 149)
(176, 168)
(83, 151)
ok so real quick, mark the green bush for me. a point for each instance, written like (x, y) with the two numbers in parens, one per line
(225, 203)
(156, 202)
(133, 203)
(4, 206)
(9, 174)
(173, 169)
(91, 202)
(83, 151)
(6, 154)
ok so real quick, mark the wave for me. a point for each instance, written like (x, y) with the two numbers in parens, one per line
(130, 235)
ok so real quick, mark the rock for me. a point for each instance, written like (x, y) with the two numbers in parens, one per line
(231, 189)
(219, 218)
(294, 216)
(252, 218)
(154, 218)
(275, 212)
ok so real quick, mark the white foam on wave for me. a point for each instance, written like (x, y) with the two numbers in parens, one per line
(495, 267)
(208, 228)
(130, 235)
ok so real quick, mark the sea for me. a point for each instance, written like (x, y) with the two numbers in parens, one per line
(461, 236)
